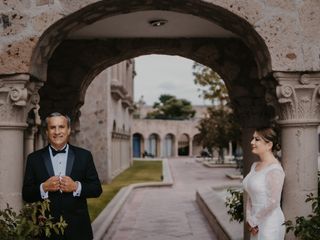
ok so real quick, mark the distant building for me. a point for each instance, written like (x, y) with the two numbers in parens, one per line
(166, 138)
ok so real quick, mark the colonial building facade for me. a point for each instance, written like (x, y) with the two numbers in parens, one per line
(165, 138)
(267, 51)
(168, 138)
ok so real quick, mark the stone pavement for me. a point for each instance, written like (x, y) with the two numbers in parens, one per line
(169, 213)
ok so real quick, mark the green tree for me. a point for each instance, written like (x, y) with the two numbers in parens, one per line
(219, 127)
(212, 85)
(171, 108)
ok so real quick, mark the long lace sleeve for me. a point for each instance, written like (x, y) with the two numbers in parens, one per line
(249, 210)
(274, 183)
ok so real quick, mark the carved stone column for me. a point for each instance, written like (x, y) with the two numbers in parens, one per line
(298, 99)
(17, 95)
(41, 139)
(34, 123)
(29, 136)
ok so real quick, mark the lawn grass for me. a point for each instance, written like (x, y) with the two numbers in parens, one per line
(140, 171)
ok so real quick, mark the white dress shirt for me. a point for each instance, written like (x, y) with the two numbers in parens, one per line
(59, 163)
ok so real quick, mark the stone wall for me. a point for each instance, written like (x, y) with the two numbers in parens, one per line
(105, 124)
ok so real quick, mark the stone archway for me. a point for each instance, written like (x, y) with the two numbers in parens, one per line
(228, 16)
(184, 145)
(226, 56)
(92, 13)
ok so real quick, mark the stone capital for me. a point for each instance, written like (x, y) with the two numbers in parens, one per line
(298, 96)
(17, 96)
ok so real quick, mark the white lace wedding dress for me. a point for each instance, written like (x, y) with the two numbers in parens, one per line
(264, 189)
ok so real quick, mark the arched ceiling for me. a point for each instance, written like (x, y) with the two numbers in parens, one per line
(139, 25)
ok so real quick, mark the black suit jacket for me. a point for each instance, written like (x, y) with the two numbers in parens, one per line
(80, 167)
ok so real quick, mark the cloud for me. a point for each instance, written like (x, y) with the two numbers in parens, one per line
(162, 74)
(167, 86)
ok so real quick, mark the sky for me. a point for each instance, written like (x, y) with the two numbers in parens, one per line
(162, 74)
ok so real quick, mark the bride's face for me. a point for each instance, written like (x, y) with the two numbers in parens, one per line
(259, 145)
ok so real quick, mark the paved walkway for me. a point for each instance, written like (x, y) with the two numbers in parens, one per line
(169, 213)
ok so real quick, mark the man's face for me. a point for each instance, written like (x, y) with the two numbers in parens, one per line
(58, 131)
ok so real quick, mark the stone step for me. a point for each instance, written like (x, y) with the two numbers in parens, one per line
(212, 205)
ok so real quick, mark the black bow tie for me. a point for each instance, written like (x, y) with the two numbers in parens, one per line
(55, 152)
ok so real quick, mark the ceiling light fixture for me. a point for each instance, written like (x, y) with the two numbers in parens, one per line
(158, 22)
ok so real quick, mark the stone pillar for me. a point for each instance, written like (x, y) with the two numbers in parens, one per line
(176, 147)
(298, 99)
(108, 174)
(228, 156)
(113, 157)
(159, 147)
(17, 95)
(190, 147)
(41, 141)
(117, 160)
(29, 146)
(130, 153)
(34, 123)
(163, 147)
(230, 149)
(121, 153)
(145, 144)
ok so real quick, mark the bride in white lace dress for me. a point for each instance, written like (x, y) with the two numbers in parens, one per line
(264, 185)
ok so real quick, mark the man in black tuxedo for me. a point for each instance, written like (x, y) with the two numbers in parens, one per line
(66, 175)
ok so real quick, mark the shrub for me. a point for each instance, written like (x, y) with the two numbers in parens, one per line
(235, 204)
(32, 221)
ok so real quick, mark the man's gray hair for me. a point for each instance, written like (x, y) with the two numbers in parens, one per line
(57, 114)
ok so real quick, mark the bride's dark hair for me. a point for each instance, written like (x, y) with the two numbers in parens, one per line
(269, 134)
